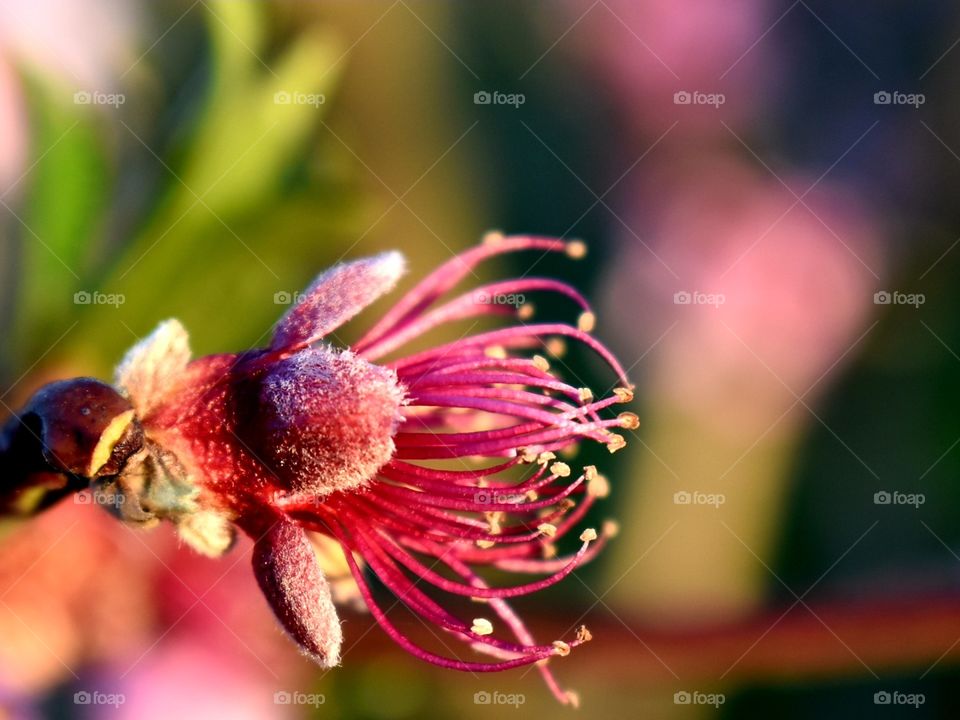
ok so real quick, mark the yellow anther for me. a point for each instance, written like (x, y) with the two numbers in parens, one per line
(545, 457)
(547, 529)
(629, 420)
(617, 442)
(598, 486)
(588, 535)
(560, 469)
(556, 347)
(576, 249)
(482, 626)
(587, 321)
(528, 455)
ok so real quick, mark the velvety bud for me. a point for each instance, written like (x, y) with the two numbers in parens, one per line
(326, 419)
(291, 579)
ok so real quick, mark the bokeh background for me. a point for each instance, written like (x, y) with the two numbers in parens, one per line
(768, 191)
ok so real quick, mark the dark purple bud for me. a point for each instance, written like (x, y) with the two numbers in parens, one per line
(87, 428)
(70, 432)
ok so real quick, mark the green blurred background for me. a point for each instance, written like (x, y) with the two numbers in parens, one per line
(767, 190)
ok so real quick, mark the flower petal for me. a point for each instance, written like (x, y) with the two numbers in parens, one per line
(147, 368)
(335, 297)
(290, 578)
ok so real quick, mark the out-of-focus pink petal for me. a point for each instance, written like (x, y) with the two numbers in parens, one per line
(335, 297)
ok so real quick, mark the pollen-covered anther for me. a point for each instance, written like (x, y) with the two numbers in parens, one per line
(576, 249)
(583, 634)
(586, 394)
(495, 352)
(531, 495)
(549, 551)
(485, 544)
(492, 237)
(545, 457)
(598, 485)
(590, 472)
(588, 535)
(587, 321)
(541, 363)
(616, 442)
(526, 311)
(560, 469)
(610, 528)
(562, 648)
(493, 520)
(623, 394)
(482, 626)
(547, 529)
(629, 420)
(528, 455)
(556, 347)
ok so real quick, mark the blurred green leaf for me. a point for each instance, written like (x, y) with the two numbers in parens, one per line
(230, 210)
(66, 198)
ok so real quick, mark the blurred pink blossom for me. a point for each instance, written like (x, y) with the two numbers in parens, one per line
(13, 127)
(785, 287)
(646, 52)
(186, 679)
(86, 44)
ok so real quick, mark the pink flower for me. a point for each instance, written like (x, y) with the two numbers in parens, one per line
(421, 468)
